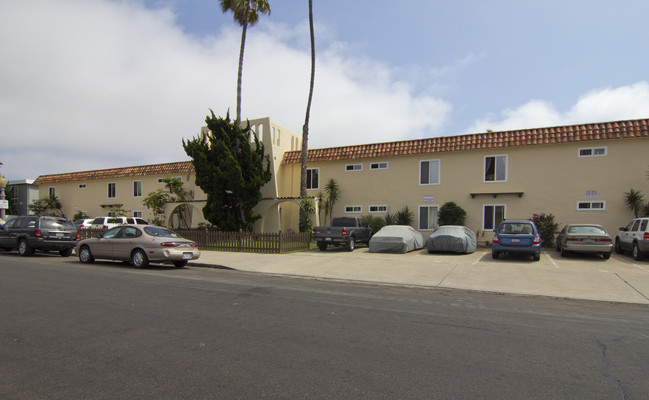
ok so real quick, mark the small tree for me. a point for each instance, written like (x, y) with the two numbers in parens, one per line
(306, 210)
(451, 214)
(634, 201)
(49, 203)
(374, 222)
(547, 227)
(156, 202)
(333, 194)
(401, 217)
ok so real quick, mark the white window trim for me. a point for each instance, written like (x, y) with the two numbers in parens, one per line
(484, 171)
(137, 214)
(354, 169)
(369, 208)
(435, 226)
(387, 165)
(318, 186)
(439, 172)
(141, 188)
(495, 225)
(108, 190)
(350, 209)
(592, 152)
(591, 202)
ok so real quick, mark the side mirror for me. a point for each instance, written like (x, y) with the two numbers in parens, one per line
(623, 228)
(99, 236)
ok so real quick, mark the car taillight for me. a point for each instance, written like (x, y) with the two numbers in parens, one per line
(37, 233)
(314, 231)
(495, 239)
(537, 239)
(344, 232)
(607, 240)
(170, 244)
(573, 240)
(646, 236)
(77, 235)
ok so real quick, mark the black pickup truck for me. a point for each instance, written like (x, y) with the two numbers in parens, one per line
(344, 231)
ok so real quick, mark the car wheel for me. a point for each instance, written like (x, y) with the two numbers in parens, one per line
(637, 254)
(322, 246)
(351, 245)
(494, 255)
(65, 253)
(180, 264)
(139, 259)
(618, 246)
(24, 249)
(606, 256)
(564, 253)
(85, 256)
(536, 256)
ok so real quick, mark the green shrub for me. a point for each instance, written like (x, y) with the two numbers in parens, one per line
(547, 227)
(374, 222)
(451, 214)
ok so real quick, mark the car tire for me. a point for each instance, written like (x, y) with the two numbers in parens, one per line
(351, 245)
(24, 249)
(606, 256)
(322, 246)
(564, 253)
(85, 255)
(618, 246)
(637, 254)
(65, 252)
(536, 256)
(180, 264)
(139, 259)
(494, 255)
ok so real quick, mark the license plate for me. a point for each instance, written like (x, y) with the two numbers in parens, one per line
(327, 239)
(187, 256)
(516, 240)
(59, 235)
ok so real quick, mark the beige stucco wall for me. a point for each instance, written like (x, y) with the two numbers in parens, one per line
(552, 178)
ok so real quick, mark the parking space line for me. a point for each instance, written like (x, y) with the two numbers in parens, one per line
(641, 267)
(553, 262)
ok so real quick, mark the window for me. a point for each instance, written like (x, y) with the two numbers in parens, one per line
(378, 209)
(591, 205)
(379, 165)
(137, 188)
(429, 172)
(82, 186)
(354, 167)
(312, 178)
(353, 209)
(112, 190)
(428, 217)
(592, 152)
(111, 213)
(495, 168)
(137, 214)
(52, 192)
(493, 215)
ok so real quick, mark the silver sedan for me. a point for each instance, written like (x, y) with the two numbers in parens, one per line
(584, 238)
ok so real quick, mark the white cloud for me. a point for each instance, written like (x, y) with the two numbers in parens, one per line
(98, 84)
(600, 105)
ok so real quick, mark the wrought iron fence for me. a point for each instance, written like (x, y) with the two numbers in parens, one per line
(237, 241)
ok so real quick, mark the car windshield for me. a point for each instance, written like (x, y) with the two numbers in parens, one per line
(160, 232)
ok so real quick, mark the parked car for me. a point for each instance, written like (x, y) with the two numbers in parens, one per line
(516, 237)
(396, 239)
(111, 222)
(138, 244)
(31, 232)
(344, 231)
(83, 223)
(452, 238)
(584, 238)
(634, 238)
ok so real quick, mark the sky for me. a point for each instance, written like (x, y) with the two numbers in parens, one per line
(93, 84)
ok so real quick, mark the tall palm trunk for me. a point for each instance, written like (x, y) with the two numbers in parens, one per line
(305, 128)
(240, 73)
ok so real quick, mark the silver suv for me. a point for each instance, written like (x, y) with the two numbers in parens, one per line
(111, 222)
(29, 233)
(634, 238)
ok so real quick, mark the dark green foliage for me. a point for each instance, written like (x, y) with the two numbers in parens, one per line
(376, 223)
(451, 214)
(306, 209)
(547, 227)
(231, 170)
(401, 217)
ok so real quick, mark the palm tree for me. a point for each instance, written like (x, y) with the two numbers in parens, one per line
(333, 193)
(305, 128)
(633, 200)
(246, 12)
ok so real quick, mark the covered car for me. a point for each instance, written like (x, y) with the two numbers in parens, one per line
(139, 244)
(452, 238)
(396, 239)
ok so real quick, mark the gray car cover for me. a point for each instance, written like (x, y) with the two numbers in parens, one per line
(452, 238)
(396, 239)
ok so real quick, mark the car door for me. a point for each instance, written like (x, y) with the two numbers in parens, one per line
(8, 233)
(124, 242)
(626, 236)
(102, 247)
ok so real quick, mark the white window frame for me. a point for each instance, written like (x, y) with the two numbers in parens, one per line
(309, 183)
(353, 209)
(493, 215)
(439, 172)
(51, 191)
(600, 151)
(137, 214)
(379, 165)
(114, 185)
(380, 208)
(495, 157)
(135, 192)
(590, 204)
(428, 226)
(354, 167)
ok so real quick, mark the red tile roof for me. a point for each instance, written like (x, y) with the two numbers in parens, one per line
(111, 173)
(489, 140)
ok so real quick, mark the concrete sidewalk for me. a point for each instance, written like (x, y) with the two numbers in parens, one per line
(619, 279)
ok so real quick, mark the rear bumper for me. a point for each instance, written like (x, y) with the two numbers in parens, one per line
(498, 248)
(585, 248)
(40, 244)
